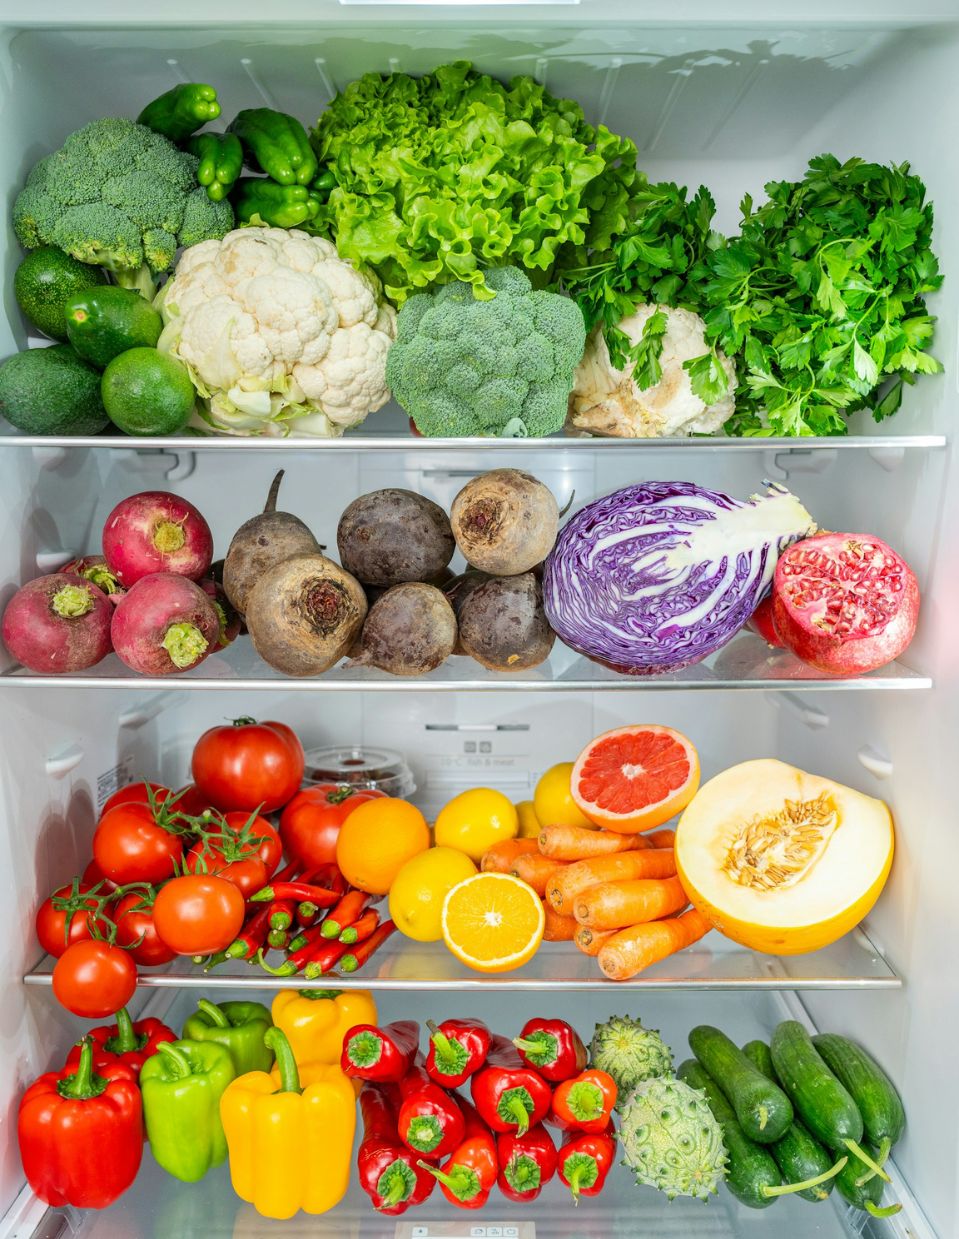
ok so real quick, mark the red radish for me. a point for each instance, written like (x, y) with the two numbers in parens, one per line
(96, 569)
(761, 623)
(58, 623)
(156, 532)
(226, 613)
(164, 624)
(845, 603)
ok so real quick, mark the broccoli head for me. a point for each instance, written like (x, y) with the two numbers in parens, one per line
(500, 366)
(119, 196)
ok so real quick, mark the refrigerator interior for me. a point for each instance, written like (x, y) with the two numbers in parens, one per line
(727, 97)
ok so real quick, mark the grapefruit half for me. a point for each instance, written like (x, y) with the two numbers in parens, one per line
(635, 778)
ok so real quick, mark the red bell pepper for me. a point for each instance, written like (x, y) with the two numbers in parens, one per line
(81, 1134)
(585, 1160)
(383, 1055)
(526, 1163)
(553, 1047)
(468, 1177)
(388, 1172)
(510, 1098)
(585, 1103)
(430, 1122)
(125, 1041)
(458, 1048)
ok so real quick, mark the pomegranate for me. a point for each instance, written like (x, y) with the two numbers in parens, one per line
(761, 623)
(845, 603)
(155, 531)
(58, 623)
(164, 624)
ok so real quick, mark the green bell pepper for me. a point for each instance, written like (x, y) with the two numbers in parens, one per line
(238, 1026)
(182, 1084)
(280, 206)
(277, 143)
(221, 162)
(181, 111)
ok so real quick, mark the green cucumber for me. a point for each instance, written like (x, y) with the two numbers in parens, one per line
(762, 1108)
(883, 1116)
(797, 1154)
(822, 1102)
(103, 322)
(751, 1173)
(864, 1195)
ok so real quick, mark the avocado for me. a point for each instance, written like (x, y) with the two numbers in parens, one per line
(104, 322)
(51, 391)
(44, 281)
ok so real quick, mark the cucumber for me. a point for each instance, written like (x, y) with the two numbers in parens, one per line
(883, 1116)
(762, 1108)
(749, 1168)
(797, 1154)
(103, 322)
(863, 1195)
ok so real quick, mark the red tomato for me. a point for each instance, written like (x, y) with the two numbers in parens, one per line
(198, 914)
(133, 918)
(93, 875)
(130, 845)
(270, 851)
(310, 823)
(136, 793)
(94, 979)
(248, 873)
(248, 765)
(51, 922)
(191, 802)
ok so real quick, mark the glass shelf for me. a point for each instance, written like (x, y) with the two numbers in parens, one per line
(716, 963)
(746, 662)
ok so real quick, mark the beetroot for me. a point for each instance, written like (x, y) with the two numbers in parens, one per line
(761, 623)
(96, 569)
(156, 532)
(502, 623)
(226, 613)
(165, 624)
(58, 623)
(845, 603)
(410, 630)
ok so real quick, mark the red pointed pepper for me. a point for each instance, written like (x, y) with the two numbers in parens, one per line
(584, 1103)
(458, 1048)
(553, 1047)
(388, 1171)
(349, 910)
(468, 1177)
(526, 1163)
(383, 1055)
(363, 951)
(510, 1098)
(125, 1041)
(585, 1160)
(81, 1134)
(430, 1121)
(361, 929)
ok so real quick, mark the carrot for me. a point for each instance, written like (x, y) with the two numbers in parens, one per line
(563, 886)
(660, 838)
(558, 928)
(633, 949)
(590, 941)
(500, 857)
(535, 870)
(615, 905)
(580, 843)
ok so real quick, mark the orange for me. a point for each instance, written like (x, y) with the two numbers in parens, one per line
(377, 840)
(553, 801)
(635, 778)
(493, 922)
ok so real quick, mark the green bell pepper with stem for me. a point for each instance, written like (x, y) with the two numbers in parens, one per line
(182, 1085)
(221, 162)
(181, 111)
(277, 143)
(280, 206)
(238, 1026)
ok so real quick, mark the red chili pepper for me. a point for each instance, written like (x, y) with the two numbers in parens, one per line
(346, 912)
(553, 1047)
(125, 1042)
(81, 1134)
(458, 1048)
(360, 930)
(526, 1163)
(304, 938)
(288, 872)
(468, 1177)
(383, 1055)
(252, 936)
(307, 915)
(430, 1121)
(584, 1103)
(357, 958)
(510, 1098)
(388, 1172)
(326, 955)
(277, 939)
(585, 1160)
(300, 891)
(282, 912)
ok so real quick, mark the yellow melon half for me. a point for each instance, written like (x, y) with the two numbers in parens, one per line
(783, 861)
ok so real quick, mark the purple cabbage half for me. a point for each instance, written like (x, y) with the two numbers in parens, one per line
(656, 577)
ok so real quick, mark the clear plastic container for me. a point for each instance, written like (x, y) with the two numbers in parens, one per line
(381, 769)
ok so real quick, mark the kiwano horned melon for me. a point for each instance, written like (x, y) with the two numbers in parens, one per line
(671, 1140)
(630, 1053)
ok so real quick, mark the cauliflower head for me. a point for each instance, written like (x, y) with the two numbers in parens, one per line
(465, 365)
(281, 336)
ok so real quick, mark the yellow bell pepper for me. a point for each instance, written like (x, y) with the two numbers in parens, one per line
(316, 1020)
(290, 1143)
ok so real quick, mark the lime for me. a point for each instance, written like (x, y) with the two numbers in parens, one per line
(147, 393)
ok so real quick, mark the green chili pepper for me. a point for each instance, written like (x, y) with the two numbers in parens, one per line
(281, 206)
(238, 1026)
(277, 143)
(181, 111)
(182, 1085)
(221, 162)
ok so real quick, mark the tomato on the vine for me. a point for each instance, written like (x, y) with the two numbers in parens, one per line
(248, 765)
(51, 922)
(94, 979)
(131, 845)
(133, 917)
(270, 847)
(247, 873)
(198, 914)
(136, 793)
(93, 875)
(310, 823)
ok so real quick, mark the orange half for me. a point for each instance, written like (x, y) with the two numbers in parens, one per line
(635, 778)
(493, 922)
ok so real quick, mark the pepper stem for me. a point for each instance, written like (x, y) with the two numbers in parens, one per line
(581, 1171)
(315, 995)
(177, 1061)
(395, 1185)
(213, 1013)
(84, 1083)
(286, 969)
(276, 1041)
(125, 1040)
(462, 1181)
(787, 1188)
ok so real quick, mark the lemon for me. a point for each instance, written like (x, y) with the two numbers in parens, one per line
(473, 821)
(421, 885)
(529, 826)
(553, 799)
